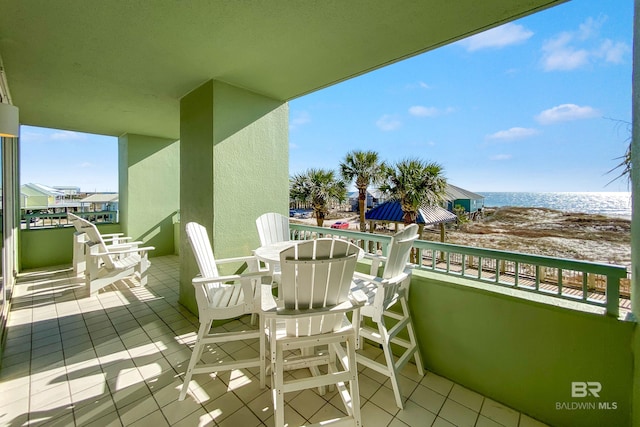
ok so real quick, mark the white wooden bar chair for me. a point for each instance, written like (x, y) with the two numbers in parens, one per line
(311, 313)
(222, 298)
(106, 264)
(382, 293)
(273, 228)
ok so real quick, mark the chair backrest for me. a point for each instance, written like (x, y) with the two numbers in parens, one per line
(397, 258)
(272, 228)
(316, 274)
(201, 246)
(199, 240)
(399, 250)
(76, 221)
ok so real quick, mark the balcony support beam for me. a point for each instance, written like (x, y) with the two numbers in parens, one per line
(234, 166)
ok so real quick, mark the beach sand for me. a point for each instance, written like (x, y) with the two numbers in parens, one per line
(540, 231)
(580, 236)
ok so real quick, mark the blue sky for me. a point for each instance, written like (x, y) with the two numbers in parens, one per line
(524, 107)
(534, 105)
(60, 158)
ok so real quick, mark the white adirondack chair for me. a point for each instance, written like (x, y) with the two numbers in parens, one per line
(80, 242)
(217, 299)
(382, 293)
(108, 264)
(273, 228)
(311, 311)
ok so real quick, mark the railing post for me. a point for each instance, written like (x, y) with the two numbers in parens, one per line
(613, 296)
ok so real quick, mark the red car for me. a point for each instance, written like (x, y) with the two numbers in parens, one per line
(340, 224)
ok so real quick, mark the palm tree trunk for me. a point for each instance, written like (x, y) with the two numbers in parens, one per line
(362, 198)
(319, 216)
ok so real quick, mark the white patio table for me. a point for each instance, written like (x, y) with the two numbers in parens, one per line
(270, 254)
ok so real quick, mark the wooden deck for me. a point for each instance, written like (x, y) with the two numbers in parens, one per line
(571, 289)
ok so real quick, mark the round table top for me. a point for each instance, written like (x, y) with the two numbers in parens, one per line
(271, 253)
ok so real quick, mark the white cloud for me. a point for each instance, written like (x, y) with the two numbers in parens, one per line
(612, 52)
(66, 135)
(86, 165)
(499, 37)
(571, 50)
(420, 111)
(418, 85)
(590, 27)
(388, 122)
(293, 146)
(298, 119)
(499, 157)
(513, 133)
(565, 113)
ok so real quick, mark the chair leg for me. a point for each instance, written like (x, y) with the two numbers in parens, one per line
(261, 325)
(412, 336)
(277, 379)
(391, 364)
(143, 266)
(354, 388)
(195, 357)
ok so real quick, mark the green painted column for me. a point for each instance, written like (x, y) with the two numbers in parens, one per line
(149, 193)
(234, 166)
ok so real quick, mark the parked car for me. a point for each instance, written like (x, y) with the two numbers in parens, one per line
(300, 213)
(340, 225)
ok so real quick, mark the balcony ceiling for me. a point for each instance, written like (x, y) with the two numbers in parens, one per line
(118, 66)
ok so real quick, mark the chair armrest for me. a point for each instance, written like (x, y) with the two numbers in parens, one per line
(229, 278)
(369, 278)
(344, 307)
(376, 261)
(124, 245)
(112, 235)
(116, 238)
(124, 251)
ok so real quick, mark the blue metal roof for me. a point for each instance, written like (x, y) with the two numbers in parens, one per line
(392, 212)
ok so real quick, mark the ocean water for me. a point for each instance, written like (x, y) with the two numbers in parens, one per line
(605, 203)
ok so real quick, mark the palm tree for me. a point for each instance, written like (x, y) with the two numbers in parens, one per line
(318, 187)
(365, 168)
(414, 183)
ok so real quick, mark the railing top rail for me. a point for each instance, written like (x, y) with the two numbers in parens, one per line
(547, 261)
(341, 232)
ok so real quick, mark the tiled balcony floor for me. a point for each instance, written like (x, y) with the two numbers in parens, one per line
(118, 358)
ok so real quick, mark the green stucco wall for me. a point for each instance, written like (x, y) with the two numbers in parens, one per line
(52, 246)
(149, 189)
(234, 167)
(522, 353)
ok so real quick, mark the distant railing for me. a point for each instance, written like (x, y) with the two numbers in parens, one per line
(586, 282)
(55, 220)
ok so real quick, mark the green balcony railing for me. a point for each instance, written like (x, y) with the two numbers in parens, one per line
(59, 219)
(581, 281)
